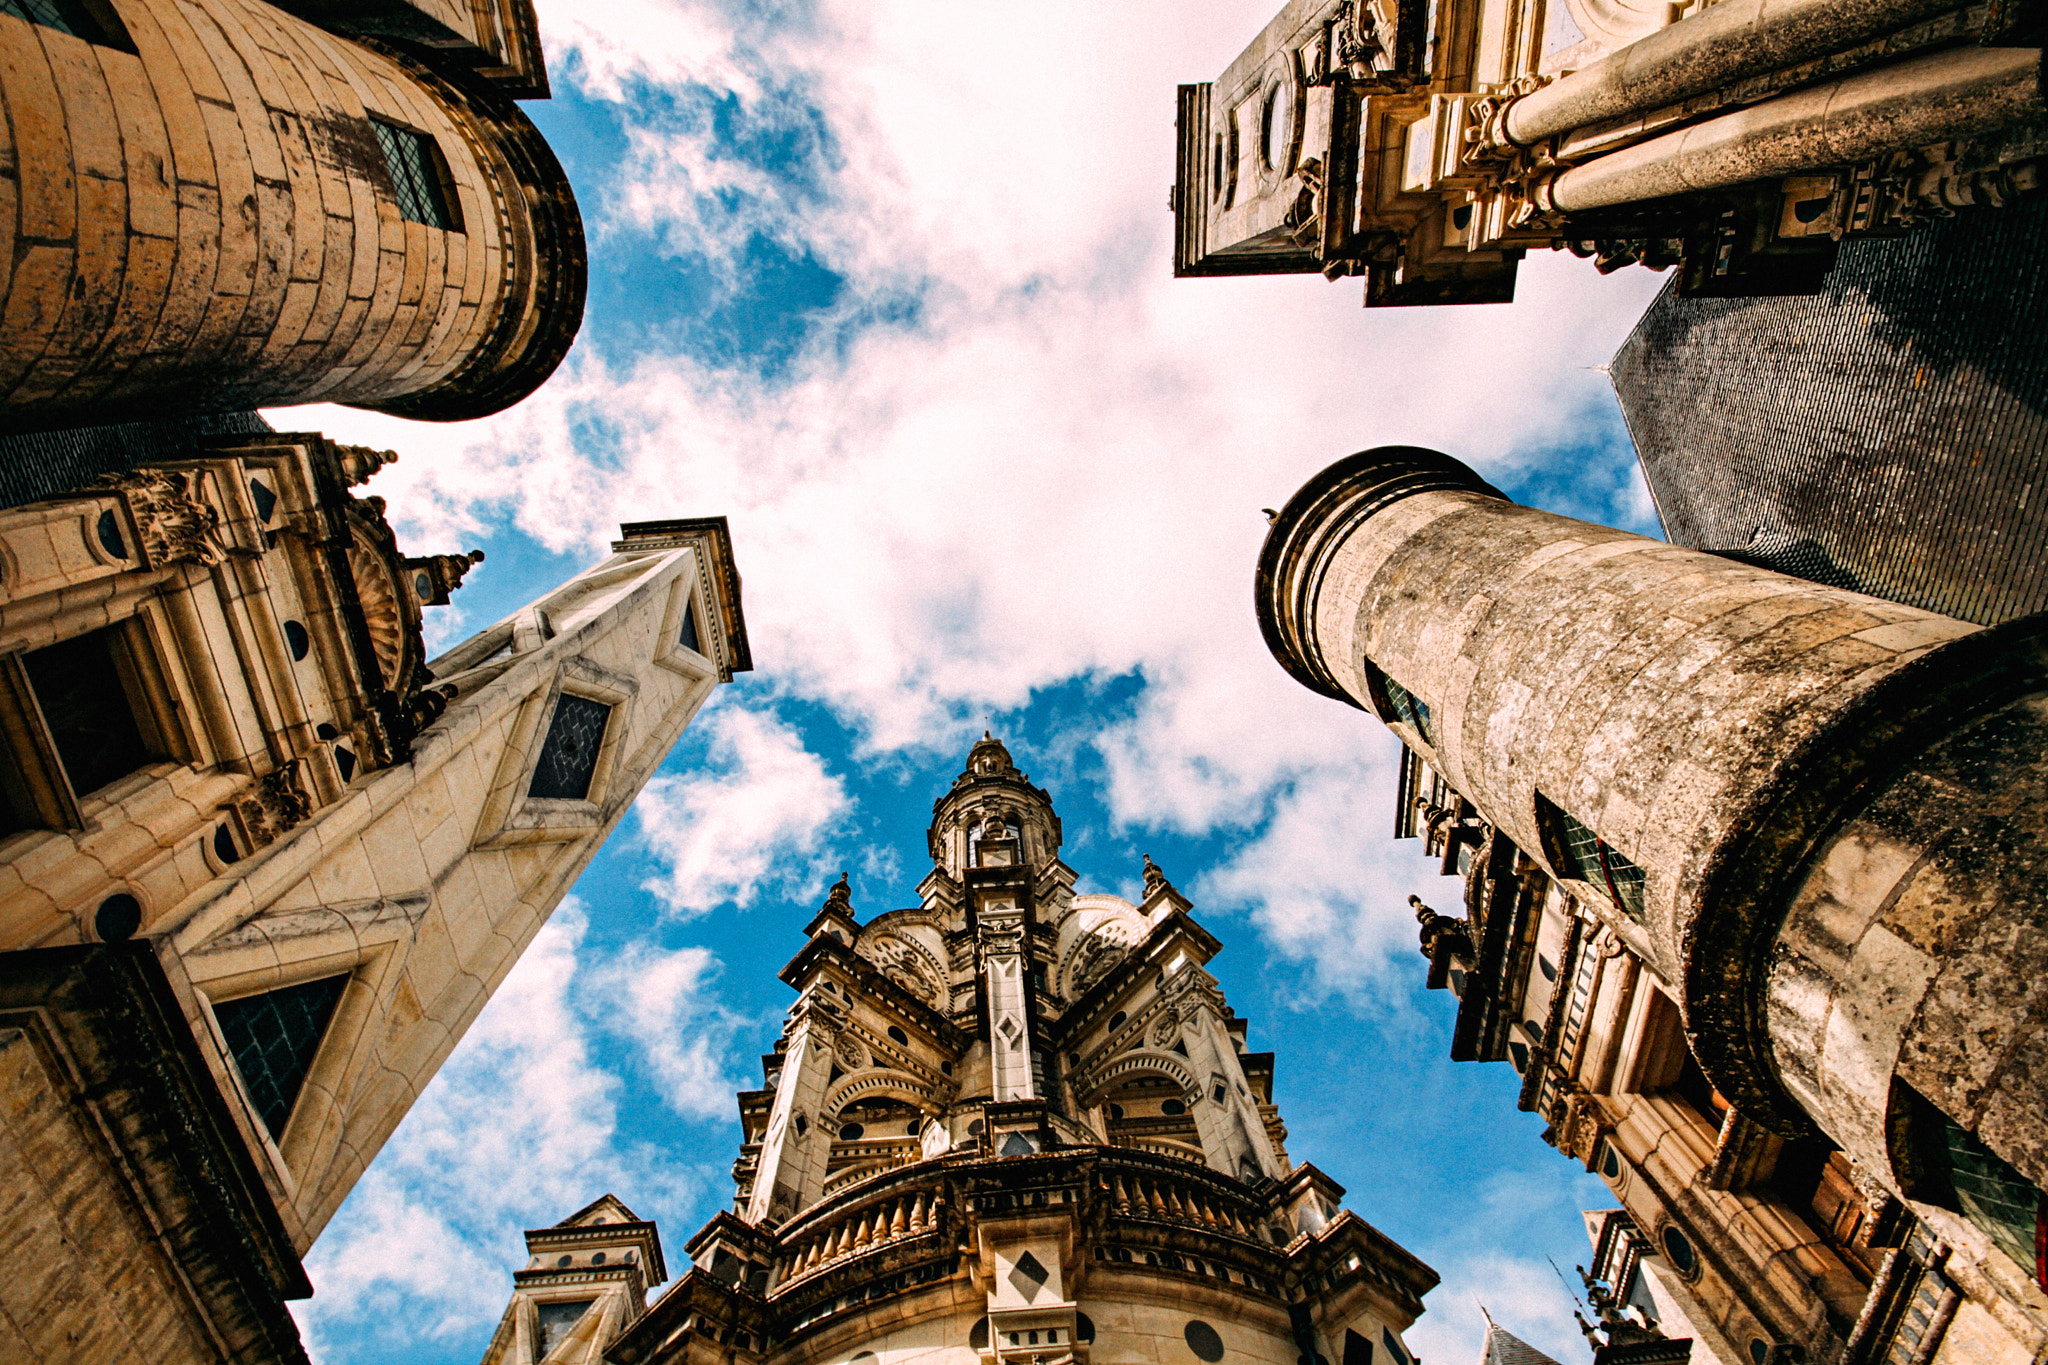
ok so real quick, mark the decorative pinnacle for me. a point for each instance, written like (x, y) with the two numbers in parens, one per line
(1154, 878)
(841, 895)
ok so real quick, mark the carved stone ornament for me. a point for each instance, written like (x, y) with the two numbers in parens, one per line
(1166, 1030)
(358, 463)
(851, 1054)
(277, 802)
(173, 522)
(1098, 957)
(1580, 1127)
(902, 965)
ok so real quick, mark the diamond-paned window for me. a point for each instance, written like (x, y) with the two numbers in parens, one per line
(568, 756)
(273, 1038)
(416, 176)
(1998, 1199)
(1589, 858)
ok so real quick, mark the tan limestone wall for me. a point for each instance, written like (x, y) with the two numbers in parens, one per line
(208, 223)
(1716, 724)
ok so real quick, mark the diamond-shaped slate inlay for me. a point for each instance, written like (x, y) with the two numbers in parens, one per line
(1028, 1276)
(1016, 1144)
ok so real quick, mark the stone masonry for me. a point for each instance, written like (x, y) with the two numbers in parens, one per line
(202, 219)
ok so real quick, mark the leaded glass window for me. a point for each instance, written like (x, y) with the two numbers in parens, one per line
(273, 1038)
(415, 175)
(1997, 1198)
(689, 638)
(568, 756)
(1405, 705)
(557, 1320)
(86, 706)
(1589, 858)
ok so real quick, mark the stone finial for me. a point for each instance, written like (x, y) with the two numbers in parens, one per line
(358, 463)
(840, 897)
(434, 577)
(1155, 880)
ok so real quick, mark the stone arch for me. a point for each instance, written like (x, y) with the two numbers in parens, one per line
(1144, 1062)
(871, 1083)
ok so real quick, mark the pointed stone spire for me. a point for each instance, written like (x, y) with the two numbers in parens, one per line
(1155, 880)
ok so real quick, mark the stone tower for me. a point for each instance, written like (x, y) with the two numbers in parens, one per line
(1016, 1124)
(264, 862)
(1809, 822)
(585, 1281)
(216, 206)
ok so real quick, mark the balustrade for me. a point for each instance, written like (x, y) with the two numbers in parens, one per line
(892, 1218)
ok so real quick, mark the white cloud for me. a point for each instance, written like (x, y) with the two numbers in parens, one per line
(518, 1130)
(752, 820)
(1328, 886)
(1053, 471)
(672, 1014)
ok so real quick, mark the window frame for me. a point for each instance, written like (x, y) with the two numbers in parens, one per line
(1553, 823)
(35, 782)
(437, 179)
(90, 21)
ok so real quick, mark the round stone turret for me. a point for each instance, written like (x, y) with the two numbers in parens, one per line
(1821, 817)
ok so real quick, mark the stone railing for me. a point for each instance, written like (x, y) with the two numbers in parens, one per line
(1157, 1196)
(891, 1217)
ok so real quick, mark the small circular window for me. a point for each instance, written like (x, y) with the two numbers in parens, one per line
(1678, 1249)
(1174, 1107)
(851, 1133)
(118, 917)
(1116, 1021)
(899, 1035)
(564, 1262)
(1203, 1341)
(296, 639)
(597, 1259)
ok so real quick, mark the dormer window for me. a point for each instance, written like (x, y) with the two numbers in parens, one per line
(568, 757)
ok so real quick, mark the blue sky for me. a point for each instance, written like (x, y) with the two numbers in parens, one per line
(889, 285)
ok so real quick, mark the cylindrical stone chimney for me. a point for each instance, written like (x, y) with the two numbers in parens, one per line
(1821, 817)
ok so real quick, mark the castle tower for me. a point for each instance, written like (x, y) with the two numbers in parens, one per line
(1016, 1124)
(586, 1281)
(220, 206)
(265, 862)
(1809, 821)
